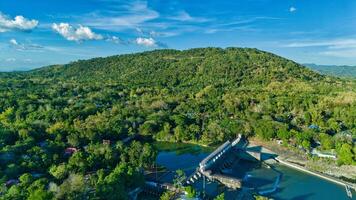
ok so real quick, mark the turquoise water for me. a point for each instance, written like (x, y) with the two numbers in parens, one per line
(299, 185)
(175, 156)
(294, 185)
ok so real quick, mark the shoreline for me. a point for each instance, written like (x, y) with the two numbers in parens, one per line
(284, 159)
(320, 175)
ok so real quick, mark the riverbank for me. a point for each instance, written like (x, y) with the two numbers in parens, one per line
(301, 162)
(323, 176)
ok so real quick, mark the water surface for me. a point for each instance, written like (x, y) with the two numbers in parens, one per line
(294, 185)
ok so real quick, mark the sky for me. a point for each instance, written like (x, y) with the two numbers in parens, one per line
(35, 33)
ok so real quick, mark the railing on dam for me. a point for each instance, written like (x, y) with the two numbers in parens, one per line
(218, 153)
(214, 156)
(207, 165)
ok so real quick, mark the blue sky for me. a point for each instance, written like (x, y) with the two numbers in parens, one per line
(36, 33)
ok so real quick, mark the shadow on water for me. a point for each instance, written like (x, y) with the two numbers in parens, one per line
(264, 155)
(254, 148)
(258, 182)
(182, 148)
(299, 197)
(302, 197)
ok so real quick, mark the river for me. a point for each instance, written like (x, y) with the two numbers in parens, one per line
(294, 184)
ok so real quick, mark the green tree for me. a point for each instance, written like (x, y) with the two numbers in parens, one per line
(166, 195)
(283, 134)
(220, 197)
(306, 144)
(40, 194)
(326, 141)
(73, 187)
(191, 192)
(25, 179)
(59, 172)
(258, 197)
(346, 155)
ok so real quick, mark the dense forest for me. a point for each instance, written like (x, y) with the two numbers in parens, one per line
(63, 127)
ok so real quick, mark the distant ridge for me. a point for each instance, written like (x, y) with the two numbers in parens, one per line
(334, 70)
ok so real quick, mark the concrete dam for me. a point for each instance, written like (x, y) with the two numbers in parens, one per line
(223, 157)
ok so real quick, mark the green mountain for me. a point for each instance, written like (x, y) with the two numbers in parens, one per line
(205, 95)
(334, 70)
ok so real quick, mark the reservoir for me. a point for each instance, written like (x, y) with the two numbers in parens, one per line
(294, 184)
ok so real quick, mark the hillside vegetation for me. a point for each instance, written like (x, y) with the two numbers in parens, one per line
(202, 96)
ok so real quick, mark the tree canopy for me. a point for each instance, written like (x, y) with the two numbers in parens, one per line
(63, 127)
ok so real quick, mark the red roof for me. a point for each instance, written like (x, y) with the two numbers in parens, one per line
(70, 150)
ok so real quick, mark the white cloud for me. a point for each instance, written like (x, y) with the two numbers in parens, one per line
(148, 42)
(115, 40)
(13, 42)
(76, 34)
(292, 9)
(18, 23)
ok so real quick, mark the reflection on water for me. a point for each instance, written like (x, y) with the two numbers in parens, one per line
(294, 184)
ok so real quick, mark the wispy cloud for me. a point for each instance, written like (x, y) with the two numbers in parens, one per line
(342, 53)
(10, 60)
(19, 23)
(122, 16)
(143, 19)
(332, 44)
(242, 24)
(24, 47)
(79, 34)
(186, 17)
(341, 47)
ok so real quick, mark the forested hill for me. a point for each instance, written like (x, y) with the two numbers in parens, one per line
(203, 96)
(231, 66)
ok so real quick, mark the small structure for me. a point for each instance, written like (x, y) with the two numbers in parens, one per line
(11, 182)
(106, 142)
(320, 154)
(314, 127)
(43, 144)
(70, 150)
(36, 175)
